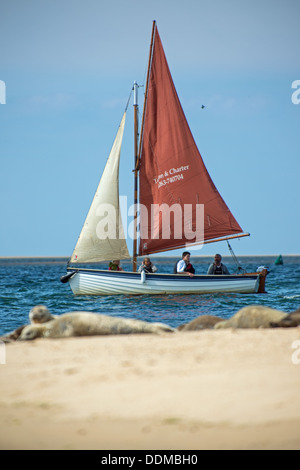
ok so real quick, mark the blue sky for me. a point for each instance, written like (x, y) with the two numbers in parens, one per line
(69, 67)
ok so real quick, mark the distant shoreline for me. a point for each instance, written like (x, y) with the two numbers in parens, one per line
(153, 256)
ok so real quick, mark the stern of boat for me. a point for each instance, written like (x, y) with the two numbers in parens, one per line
(262, 281)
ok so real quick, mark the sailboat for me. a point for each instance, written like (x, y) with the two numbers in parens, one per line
(176, 201)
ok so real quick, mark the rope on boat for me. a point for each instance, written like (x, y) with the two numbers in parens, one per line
(128, 99)
(239, 267)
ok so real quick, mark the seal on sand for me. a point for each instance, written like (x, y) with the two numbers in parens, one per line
(253, 316)
(200, 323)
(37, 315)
(40, 314)
(290, 321)
(90, 324)
(13, 335)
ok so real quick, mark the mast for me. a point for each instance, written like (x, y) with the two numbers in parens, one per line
(146, 90)
(138, 144)
(135, 196)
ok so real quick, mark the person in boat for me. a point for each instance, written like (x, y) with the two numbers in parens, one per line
(147, 266)
(184, 266)
(217, 267)
(115, 265)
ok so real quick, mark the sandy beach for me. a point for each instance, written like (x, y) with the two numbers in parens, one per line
(212, 389)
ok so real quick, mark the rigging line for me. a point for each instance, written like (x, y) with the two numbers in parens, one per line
(144, 82)
(234, 257)
(128, 99)
(144, 79)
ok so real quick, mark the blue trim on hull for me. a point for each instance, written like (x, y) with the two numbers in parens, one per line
(164, 276)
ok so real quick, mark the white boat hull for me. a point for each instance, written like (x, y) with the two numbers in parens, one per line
(102, 282)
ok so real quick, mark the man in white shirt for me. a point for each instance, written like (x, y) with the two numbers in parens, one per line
(184, 266)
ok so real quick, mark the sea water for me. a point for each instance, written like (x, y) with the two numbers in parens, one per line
(26, 282)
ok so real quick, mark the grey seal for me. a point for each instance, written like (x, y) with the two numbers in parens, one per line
(13, 335)
(290, 321)
(203, 322)
(40, 314)
(90, 324)
(253, 316)
(37, 315)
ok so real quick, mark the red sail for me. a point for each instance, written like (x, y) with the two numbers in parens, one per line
(173, 179)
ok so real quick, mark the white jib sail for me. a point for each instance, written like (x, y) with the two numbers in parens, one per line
(102, 236)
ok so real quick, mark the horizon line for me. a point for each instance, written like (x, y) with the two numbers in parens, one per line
(155, 255)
